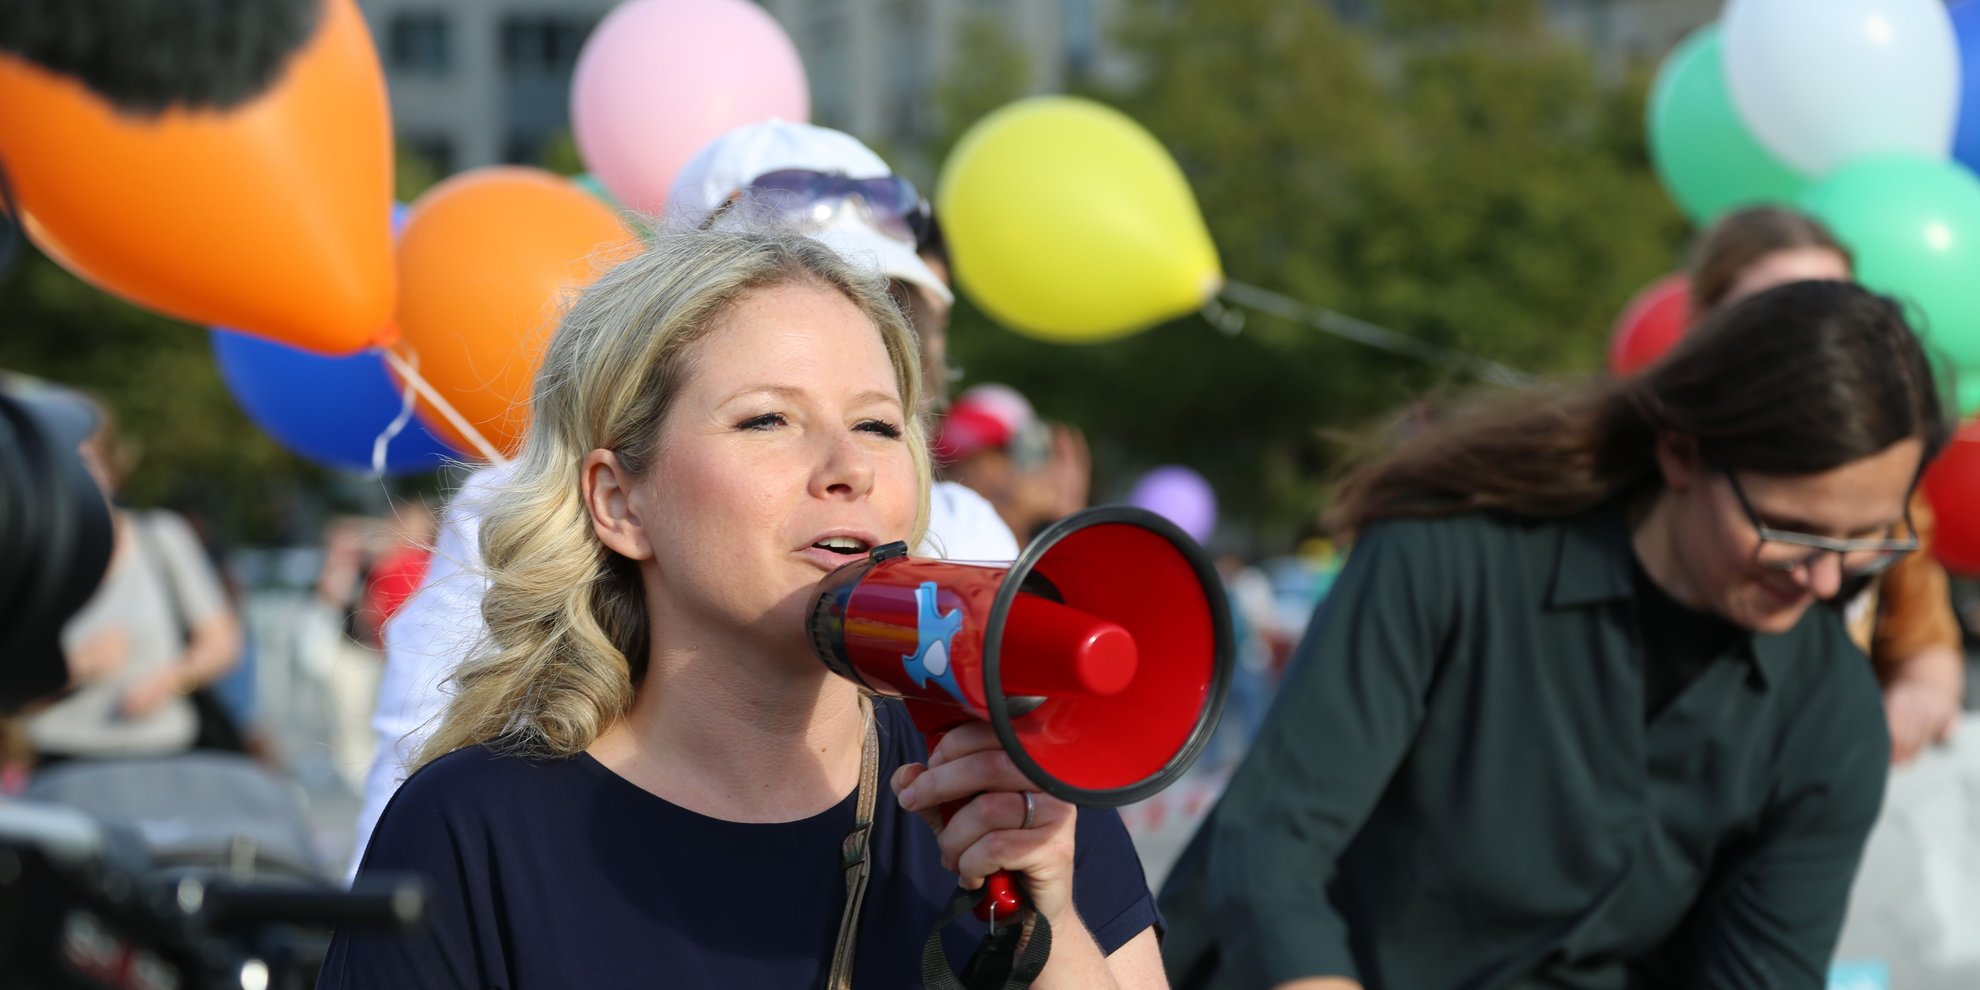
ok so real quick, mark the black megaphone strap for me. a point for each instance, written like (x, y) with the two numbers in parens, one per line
(998, 964)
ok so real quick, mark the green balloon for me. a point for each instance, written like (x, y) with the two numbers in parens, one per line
(1966, 395)
(1707, 158)
(1959, 388)
(1913, 225)
(590, 184)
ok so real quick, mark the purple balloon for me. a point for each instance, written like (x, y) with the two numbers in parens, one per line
(1181, 496)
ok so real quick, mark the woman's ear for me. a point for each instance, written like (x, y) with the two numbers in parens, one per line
(1678, 461)
(608, 496)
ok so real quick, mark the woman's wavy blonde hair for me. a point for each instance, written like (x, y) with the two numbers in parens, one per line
(567, 625)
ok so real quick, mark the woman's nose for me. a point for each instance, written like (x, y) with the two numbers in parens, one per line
(846, 468)
(1824, 574)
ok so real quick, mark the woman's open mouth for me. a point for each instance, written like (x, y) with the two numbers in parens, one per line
(850, 546)
(833, 552)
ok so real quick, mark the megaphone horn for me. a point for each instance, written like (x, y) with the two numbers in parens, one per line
(1101, 657)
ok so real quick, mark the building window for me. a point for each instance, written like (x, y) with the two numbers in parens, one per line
(418, 44)
(436, 150)
(1081, 28)
(524, 148)
(1360, 13)
(910, 92)
(542, 45)
(830, 67)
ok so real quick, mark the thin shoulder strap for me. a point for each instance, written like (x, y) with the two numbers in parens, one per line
(854, 857)
(145, 525)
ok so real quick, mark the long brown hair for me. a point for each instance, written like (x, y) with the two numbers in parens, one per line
(1735, 241)
(1799, 379)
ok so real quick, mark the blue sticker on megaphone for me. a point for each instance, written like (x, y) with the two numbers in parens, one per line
(936, 635)
(1860, 974)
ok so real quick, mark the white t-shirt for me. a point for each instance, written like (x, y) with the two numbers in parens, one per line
(159, 586)
(441, 623)
(963, 525)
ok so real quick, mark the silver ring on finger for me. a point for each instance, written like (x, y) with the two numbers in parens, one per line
(1030, 810)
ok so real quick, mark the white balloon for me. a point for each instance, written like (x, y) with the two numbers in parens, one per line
(1821, 82)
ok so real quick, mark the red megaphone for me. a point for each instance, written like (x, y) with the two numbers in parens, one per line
(1101, 657)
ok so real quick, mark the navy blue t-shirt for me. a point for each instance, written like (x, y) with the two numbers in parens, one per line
(560, 873)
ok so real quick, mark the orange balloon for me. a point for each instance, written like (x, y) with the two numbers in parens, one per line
(485, 260)
(273, 216)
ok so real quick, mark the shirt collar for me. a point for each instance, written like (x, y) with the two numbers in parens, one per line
(1595, 560)
(1596, 564)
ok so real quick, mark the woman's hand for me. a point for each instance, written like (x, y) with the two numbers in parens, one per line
(1920, 715)
(100, 655)
(153, 690)
(1069, 471)
(986, 834)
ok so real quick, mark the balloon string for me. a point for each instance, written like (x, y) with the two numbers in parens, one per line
(1228, 321)
(1379, 337)
(410, 373)
(13, 227)
(392, 429)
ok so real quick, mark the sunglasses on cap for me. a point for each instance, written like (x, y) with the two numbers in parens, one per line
(890, 203)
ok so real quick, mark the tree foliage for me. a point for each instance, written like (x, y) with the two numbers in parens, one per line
(1446, 168)
(195, 448)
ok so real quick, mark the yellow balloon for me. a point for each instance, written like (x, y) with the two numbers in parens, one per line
(1069, 222)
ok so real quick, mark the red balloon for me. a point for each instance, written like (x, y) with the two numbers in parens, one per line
(1651, 324)
(1953, 487)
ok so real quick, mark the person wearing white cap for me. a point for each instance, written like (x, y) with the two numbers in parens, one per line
(818, 181)
(822, 182)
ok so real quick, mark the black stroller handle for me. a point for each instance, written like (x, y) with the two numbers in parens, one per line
(387, 902)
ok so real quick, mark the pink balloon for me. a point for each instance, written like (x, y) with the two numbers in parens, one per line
(658, 79)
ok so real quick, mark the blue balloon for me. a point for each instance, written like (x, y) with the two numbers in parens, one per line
(1966, 131)
(326, 409)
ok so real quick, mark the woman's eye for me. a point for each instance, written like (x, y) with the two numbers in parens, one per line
(881, 428)
(767, 421)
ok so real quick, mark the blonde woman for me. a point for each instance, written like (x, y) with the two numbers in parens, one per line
(649, 779)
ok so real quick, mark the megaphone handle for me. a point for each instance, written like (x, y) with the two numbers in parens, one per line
(1001, 898)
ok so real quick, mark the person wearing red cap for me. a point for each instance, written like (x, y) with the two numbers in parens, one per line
(1033, 472)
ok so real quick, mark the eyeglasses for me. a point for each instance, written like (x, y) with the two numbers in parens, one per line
(890, 203)
(1780, 550)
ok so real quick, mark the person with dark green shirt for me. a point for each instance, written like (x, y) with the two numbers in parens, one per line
(1568, 718)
